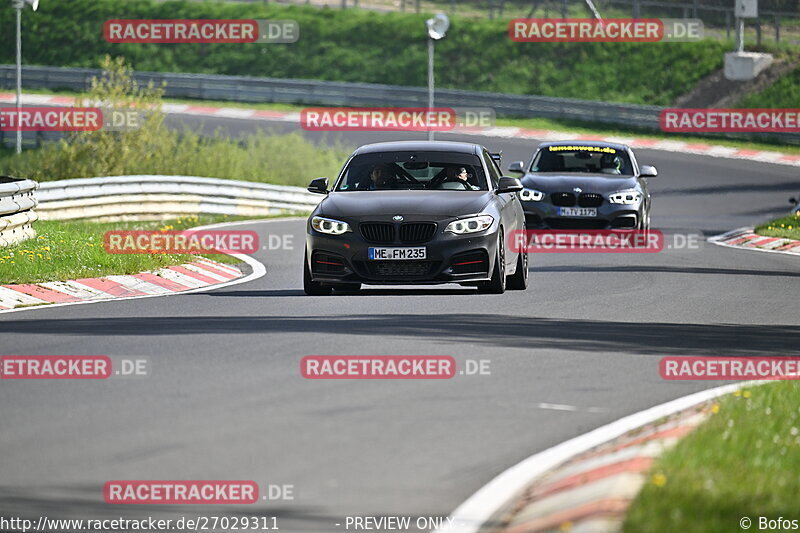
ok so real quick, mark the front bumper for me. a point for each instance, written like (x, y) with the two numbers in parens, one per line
(449, 259)
(544, 215)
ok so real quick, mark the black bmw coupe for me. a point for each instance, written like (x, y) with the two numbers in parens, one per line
(415, 213)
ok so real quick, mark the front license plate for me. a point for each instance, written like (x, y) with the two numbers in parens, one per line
(577, 211)
(397, 254)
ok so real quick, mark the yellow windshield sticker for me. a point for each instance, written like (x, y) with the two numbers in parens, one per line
(566, 148)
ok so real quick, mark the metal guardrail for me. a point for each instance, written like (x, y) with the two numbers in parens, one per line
(331, 93)
(17, 205)
(158, 197)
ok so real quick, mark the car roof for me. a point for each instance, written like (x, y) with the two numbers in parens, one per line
(419, 146)
(602, 144)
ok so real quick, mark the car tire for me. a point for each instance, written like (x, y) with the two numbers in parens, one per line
(518, 281)
(644, 220)
(347, 287)
(497, 284)
(311, 287)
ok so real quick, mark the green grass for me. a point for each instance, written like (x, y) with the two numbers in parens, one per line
(367, 46)
(262, 157)
(787, 227)
(74, 249)
(784, 93)
(742, 462)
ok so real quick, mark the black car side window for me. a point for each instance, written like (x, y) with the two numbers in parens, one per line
(494, 172)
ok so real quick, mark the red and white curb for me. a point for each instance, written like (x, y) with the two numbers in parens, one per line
(745, 238)
(499, 132)
(497, 500)
(593, 491)
(195, 275)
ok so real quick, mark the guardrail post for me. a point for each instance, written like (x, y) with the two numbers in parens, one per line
(637, 9)
(727, 24)
(777, 29)
(417, 6)
(758, 32)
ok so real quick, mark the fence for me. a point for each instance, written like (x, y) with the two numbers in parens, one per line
(17, 205)
(159, 197)
(331, 93)
(315, 92)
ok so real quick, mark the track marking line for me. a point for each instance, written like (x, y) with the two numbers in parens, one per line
(557, 407)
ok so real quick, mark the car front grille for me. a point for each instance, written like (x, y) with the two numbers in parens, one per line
(417, 232)
(563, 199)
(398, 270)
(407, 233)
(590, 199)
(378, 232)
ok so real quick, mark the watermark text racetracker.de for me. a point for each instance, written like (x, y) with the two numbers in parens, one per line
(198, 31)
(65, 119)
(729, 368)
(730, 120)
(34, 367)
(389, 367)
(193, 492)
(601, 241)
(181, 242)
(395, 118)
(549, 30)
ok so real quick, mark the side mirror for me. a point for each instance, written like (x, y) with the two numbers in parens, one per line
(507, 184)
(318, 186)
(517, 166)
(648, 171)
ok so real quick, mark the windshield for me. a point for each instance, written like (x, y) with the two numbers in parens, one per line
(413, 171)
(589, 159)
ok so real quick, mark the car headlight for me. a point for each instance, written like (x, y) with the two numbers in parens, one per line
(470, 225)
(329, 226)
(531, 195)
(627, 197)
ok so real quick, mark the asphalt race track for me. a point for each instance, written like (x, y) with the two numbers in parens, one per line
(578, 349)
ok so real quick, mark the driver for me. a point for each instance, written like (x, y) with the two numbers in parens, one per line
(611, 164)
(460, 175)
(380, 177)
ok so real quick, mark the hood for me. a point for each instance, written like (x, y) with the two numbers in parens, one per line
(597, 183)
(435, 204)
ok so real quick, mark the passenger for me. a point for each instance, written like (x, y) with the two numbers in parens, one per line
(460, 175)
